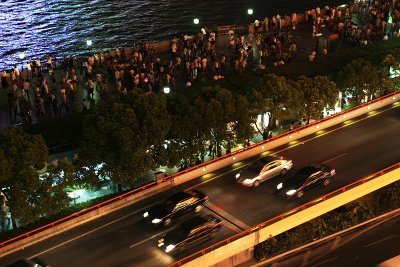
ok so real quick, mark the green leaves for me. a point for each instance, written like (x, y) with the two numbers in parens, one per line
(126, 133)
(360, 79)
(30, 194)
(317, 93)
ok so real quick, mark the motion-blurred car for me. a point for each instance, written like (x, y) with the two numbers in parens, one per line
(190, 233)
(34, 262)
(175, 205)
(307, 178)
(262, 170)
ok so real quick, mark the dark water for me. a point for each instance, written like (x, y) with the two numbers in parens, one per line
(37, 28)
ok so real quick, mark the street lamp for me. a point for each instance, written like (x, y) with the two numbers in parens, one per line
(167, 90)
(21, 56)
(196, 21)
(250, 11)
(89, 42)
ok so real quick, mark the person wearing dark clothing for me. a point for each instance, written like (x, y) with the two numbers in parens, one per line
(12, 104)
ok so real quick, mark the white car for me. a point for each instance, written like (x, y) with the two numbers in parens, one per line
(262, 170)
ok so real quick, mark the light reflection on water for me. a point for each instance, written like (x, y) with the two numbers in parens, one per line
(38, 28)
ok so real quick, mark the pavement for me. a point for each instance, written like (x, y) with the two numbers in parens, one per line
(301, 36)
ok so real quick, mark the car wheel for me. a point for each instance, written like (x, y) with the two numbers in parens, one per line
(327, 181)
(167, 222)
(256, 183)
(300, 194)
(283, 171)
(198, 208)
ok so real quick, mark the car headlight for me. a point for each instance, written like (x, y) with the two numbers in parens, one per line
(161, 242)
(291, 192)
(279, 186)
(169, 248)
(146, 214)
(156, 221)
(247, 181)
(237, 175)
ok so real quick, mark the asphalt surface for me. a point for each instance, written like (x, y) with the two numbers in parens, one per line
(366, 247)
(356, 149)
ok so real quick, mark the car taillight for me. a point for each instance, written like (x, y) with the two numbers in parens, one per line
(206, 198)
(333, 172)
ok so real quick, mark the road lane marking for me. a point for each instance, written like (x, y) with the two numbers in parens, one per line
(226, 216)
(324, 262)
(287, 148)
(89, 232)
(380, 241)
(150, 238)
(344, 154)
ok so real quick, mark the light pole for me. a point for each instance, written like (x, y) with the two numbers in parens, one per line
(89, 44)
(167, 90)
(22, 57)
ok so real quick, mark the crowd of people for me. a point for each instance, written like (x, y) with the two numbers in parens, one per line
(51, 89)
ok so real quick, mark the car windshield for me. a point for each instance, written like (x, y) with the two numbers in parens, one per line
(256, 167)
(168, 205)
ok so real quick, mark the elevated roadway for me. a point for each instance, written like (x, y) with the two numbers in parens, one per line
(355, 148)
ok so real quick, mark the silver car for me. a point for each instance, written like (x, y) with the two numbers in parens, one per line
(262, 170)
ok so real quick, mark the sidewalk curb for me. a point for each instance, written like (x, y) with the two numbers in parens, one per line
(275, 258)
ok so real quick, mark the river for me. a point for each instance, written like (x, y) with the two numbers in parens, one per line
(37, 28)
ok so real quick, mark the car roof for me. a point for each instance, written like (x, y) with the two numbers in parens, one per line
(258, 165)
(268, 159)
(179, 196)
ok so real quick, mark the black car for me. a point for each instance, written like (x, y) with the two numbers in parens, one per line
(306, 178)
(189, 233)
(175, 205)
(34, 262)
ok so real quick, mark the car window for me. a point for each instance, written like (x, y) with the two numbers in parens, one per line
(201, 228)
(185, 203)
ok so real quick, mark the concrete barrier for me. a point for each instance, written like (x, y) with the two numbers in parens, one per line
(228, 254)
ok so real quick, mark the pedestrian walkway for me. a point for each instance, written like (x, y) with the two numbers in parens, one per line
(301, 36)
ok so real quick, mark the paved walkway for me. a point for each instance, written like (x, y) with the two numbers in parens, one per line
(301, 36)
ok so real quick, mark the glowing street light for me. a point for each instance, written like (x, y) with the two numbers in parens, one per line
(250, 11)
(167, 89)
(196, 21)
(89, 42)
(21, 56)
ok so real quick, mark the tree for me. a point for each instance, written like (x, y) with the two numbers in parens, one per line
(318, 93)
(391, 71)
(217, 108)
(360, 79)
(30, 193)
(186, 139)
(127, 134)
(242, 127)
(276, 95)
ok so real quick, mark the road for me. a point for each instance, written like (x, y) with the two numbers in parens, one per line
(356, 149)
(367, 247)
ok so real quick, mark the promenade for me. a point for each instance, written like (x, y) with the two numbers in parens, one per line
(301, 36)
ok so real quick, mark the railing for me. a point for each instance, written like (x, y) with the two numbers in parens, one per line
(281, 216)
(76, 214)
